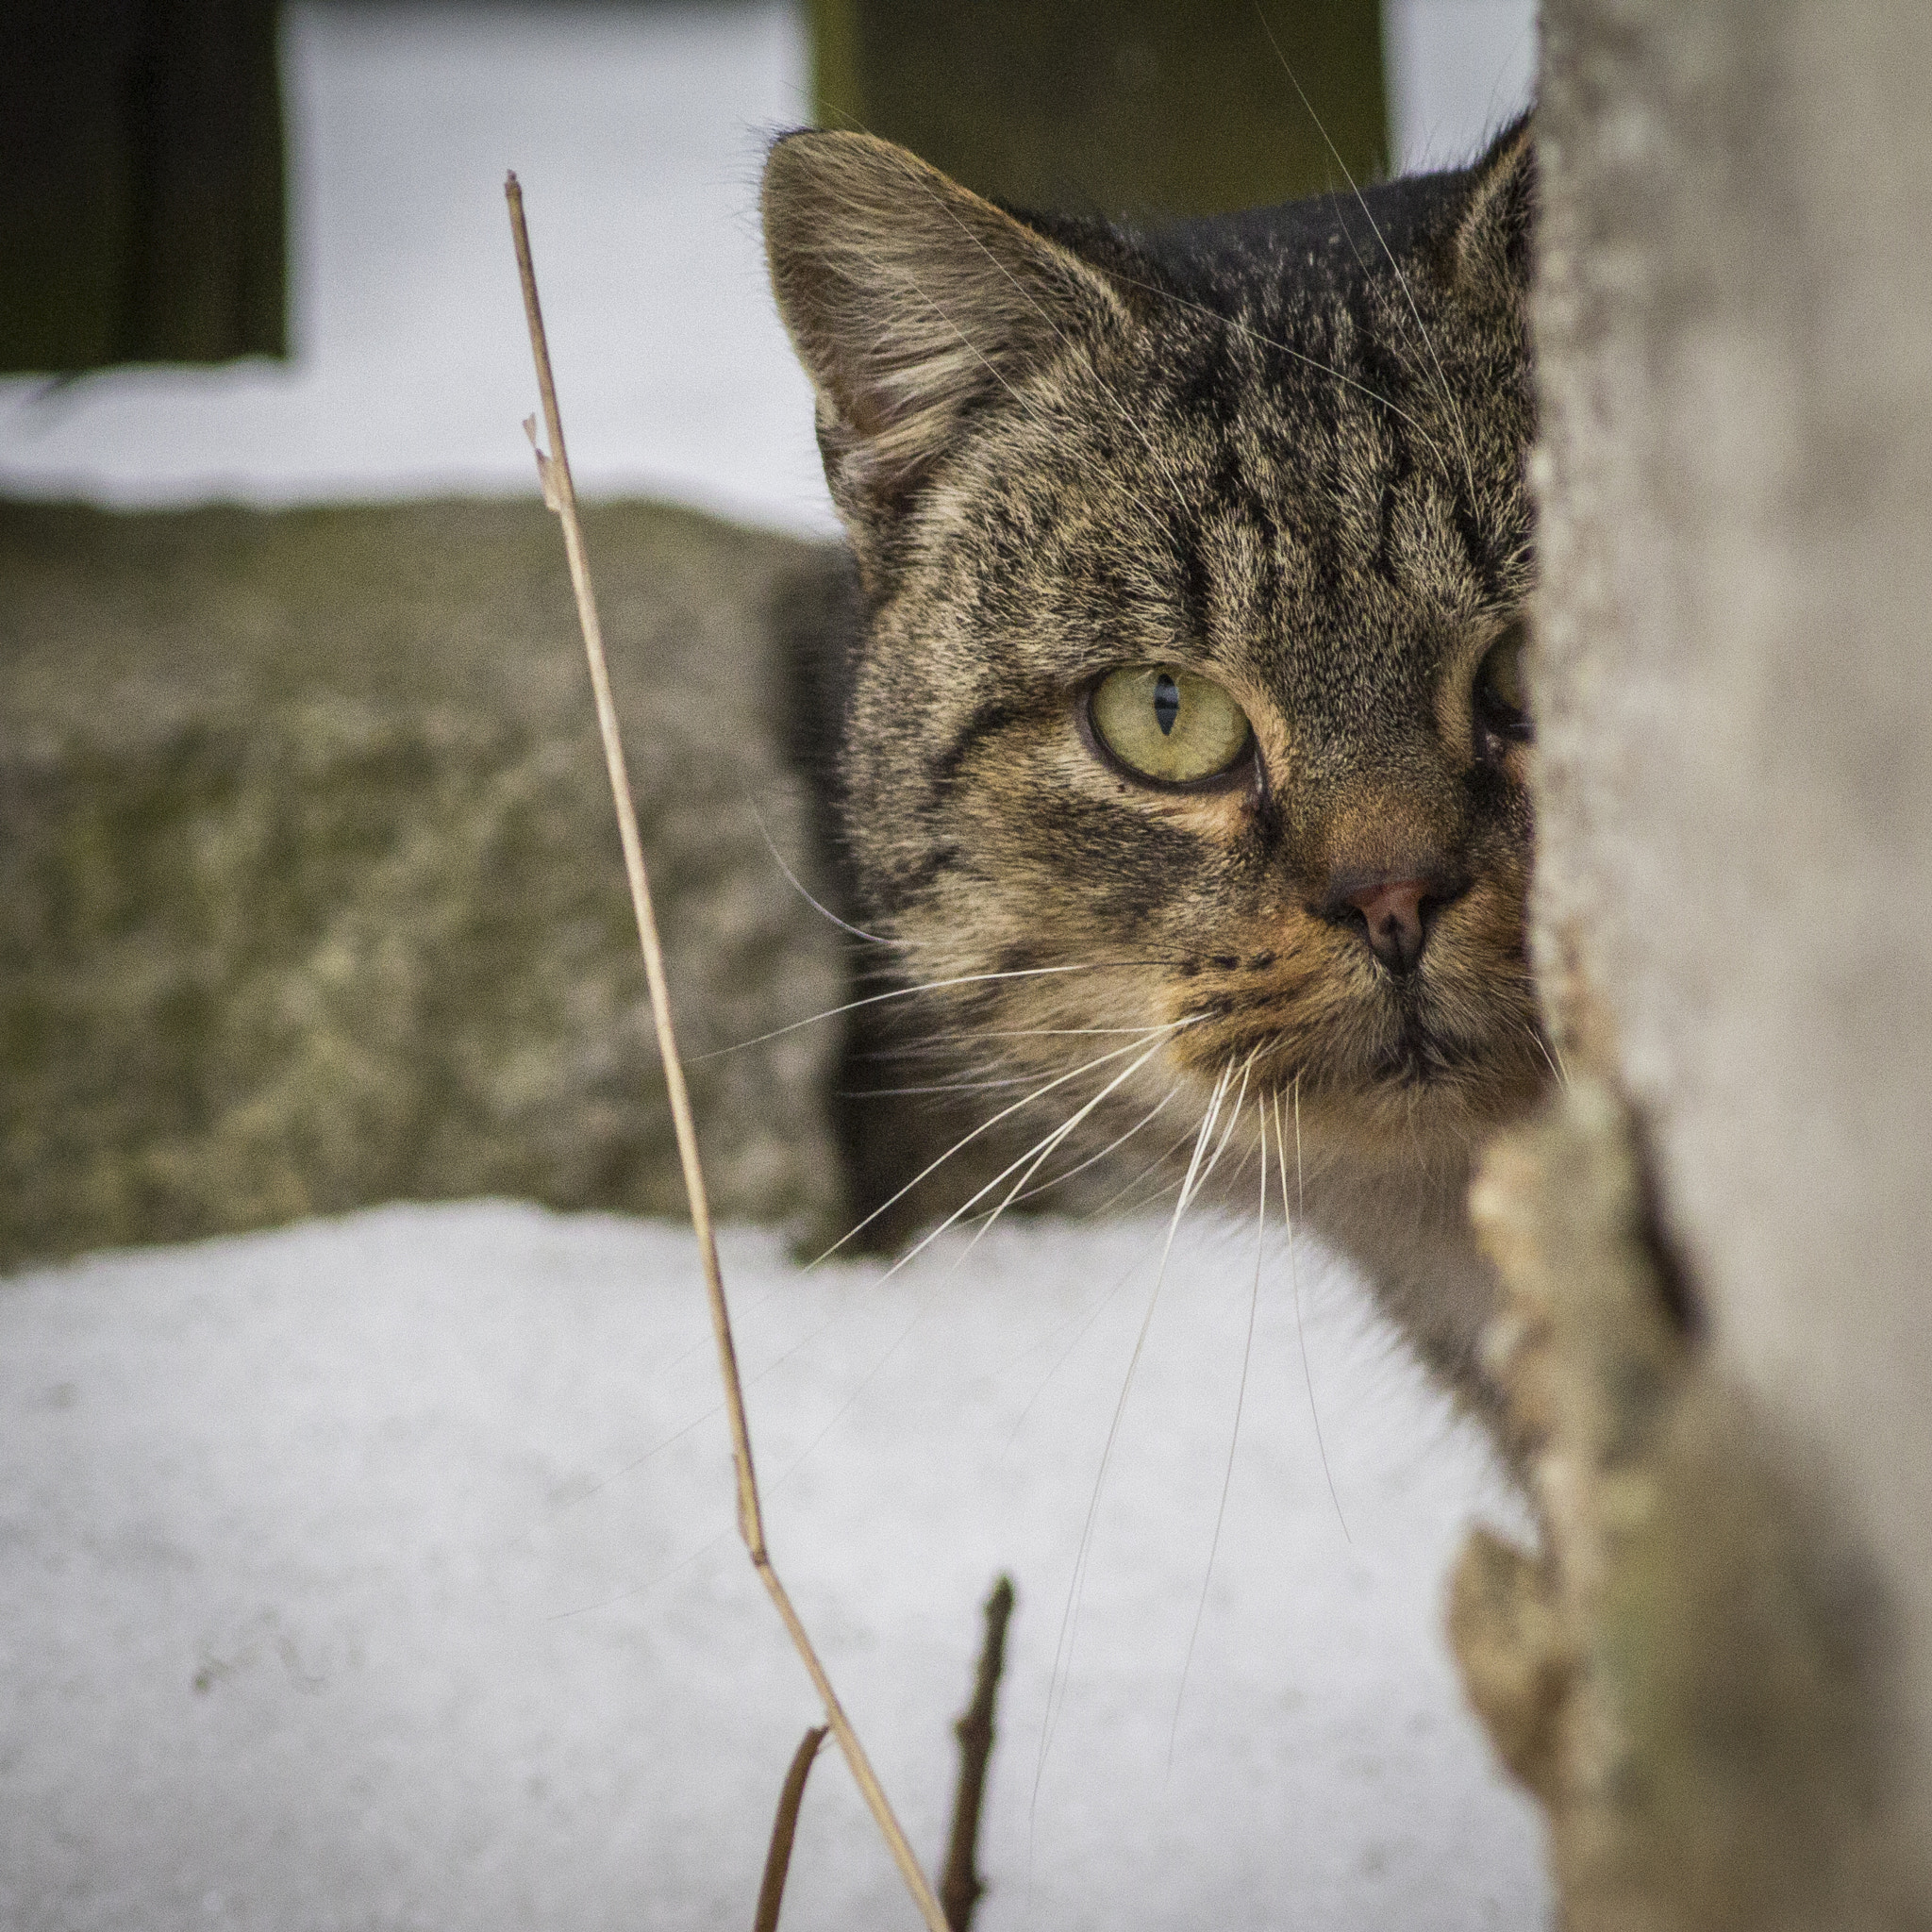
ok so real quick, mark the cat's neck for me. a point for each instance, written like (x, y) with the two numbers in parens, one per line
(1406, 1226)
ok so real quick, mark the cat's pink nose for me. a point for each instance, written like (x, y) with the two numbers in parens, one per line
(1392, 911)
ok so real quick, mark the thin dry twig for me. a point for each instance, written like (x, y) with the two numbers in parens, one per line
(784, 1829)
(961, 1886)
(560, 495)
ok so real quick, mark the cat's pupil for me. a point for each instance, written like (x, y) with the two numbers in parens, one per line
(1167, 703)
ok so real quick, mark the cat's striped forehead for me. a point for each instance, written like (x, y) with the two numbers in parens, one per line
(1316, 510)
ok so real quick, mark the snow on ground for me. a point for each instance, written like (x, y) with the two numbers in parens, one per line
(380, 1573)
(638, 134)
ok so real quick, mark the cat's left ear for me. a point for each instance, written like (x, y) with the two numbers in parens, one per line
(1492, 246)
(914, 305)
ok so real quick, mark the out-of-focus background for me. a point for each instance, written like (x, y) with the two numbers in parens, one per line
(375, 1569)
(638, 132)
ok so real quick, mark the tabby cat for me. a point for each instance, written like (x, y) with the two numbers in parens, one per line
(1181, 749)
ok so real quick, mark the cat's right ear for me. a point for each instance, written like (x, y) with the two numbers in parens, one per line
(911, 301)
(1492, 243)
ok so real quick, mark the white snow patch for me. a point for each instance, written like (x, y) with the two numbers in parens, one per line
(381, 1574)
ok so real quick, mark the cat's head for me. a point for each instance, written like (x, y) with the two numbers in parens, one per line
(1190, 694)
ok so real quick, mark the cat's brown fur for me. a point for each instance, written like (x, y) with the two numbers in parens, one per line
(1284, 449)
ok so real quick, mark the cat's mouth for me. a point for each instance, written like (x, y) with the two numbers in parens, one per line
(1411, 1032)
(1420, 1056)
(1413, 1062)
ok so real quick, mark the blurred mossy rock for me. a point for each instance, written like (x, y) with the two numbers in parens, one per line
(310, 891)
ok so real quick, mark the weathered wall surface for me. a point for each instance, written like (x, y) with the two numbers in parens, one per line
(309, 886)
(1735, 697)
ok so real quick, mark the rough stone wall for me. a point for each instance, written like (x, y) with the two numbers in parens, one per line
(309, 886)
(1693, 1672)
(1734, 693)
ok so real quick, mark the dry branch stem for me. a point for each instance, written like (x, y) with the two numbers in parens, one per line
(961, 1886)
(560, 495)
(784, 1829)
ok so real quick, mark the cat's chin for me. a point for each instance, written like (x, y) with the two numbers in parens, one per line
(1404, 1074)
(1420, 1099)
(1420, 1107)
(1421, 1057)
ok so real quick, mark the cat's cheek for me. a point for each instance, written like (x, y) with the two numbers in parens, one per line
(1515, 763)
(1221, 819)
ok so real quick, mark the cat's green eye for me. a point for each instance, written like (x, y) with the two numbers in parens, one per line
(1165, 724)
(1502, 687)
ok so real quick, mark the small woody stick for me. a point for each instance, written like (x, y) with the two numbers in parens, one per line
(784, 1829)
(960, 1887)
(559, 494)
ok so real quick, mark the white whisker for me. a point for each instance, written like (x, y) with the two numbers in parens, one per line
(991, 1081)
(1294, 1278)
(1234, 1435)
(1159, 1160)
(1233, 1117)
(1039, 1149)
(906, 992)
(1064, 1645)
(1055, 1032)
(935, 1087)
(798, 887)
(1557, 1070)
(1121, 1142)
(986, 1127)
(1085, 1319)
(1448, 394)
